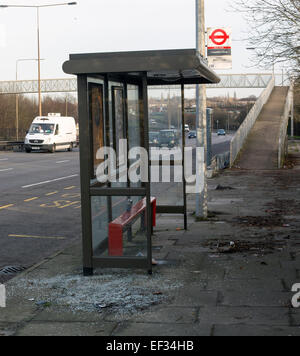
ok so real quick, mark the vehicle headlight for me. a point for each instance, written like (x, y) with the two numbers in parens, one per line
(172, 141)
(26, 141)
(155, 141)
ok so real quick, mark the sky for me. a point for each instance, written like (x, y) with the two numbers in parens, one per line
(107, 25)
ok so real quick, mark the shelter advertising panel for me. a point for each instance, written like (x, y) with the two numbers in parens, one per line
(96, 122)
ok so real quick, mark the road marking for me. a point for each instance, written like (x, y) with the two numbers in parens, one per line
(5, 170)
(49, 181)
(69, 188)
(52, 193)
(70, 195)
(3, 159)
(63, 161)
(65, 206)
(38, 237)
(6, 206)
(31, 199)
(55, 204)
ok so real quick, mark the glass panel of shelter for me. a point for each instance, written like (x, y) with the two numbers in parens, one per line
(119, 224)
(135, 126)
(167, 141)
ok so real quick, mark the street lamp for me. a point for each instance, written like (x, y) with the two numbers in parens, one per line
(17, 95)
(229, 115)
(37, 7)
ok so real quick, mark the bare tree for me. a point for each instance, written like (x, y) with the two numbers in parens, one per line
(28, 110)
(274, 31)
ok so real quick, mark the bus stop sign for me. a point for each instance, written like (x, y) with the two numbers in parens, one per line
(219, 37)
(219, 48)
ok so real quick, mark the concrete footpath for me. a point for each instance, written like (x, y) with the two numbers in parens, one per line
(229, 275)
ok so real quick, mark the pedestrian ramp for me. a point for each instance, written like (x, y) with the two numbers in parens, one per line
(265, 145)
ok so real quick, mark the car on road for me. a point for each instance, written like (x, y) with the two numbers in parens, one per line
(168, 138)
(50, 133)
(221, 132)
(153, 139)
(192, 134)
(186, 128)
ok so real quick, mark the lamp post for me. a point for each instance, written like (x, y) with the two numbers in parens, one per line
(228, 121)
(37, 7)
(17, 95)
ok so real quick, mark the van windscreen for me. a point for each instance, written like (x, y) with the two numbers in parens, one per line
(42, 128)
(169, 134)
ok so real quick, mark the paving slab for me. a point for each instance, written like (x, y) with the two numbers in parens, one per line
(17, 310)
(246, 286)
(66, 329)
(255, 330)
(256, 299)
(248, 269)
(63, 314)
(7, 329)
(194, 296)
(250, 315)
(180, 315)
(295, 317)
(160, 329)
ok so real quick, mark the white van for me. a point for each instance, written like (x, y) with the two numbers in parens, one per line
(186, 128)
(50, 133)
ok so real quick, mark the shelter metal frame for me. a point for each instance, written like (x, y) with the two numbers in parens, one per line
(116, 71)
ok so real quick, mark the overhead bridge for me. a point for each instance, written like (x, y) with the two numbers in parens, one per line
(238, 81)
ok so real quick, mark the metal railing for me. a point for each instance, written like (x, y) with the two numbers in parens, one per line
(9, 134)
(282, 142)
(218, 163)
(241, 135)
(11, 145)
(31, 86)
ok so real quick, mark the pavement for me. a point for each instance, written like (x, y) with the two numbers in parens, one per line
(228, 275)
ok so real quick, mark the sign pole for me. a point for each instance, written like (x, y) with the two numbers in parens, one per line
(201, 182)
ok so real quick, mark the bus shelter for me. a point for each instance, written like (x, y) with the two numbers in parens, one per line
(118, 205)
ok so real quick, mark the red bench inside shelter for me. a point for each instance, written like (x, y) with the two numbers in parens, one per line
(117, 227)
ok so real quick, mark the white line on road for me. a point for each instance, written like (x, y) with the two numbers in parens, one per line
(63, 161)
(49, 181)
(37, 237)
(5, 170)
(3, 159)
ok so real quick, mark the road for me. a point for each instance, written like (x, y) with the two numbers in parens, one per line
(220, 144)
(172, 193)
(40, 203)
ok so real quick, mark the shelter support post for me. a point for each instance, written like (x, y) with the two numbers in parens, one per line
(183, 155)
(87, 244)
